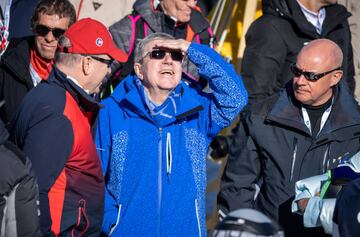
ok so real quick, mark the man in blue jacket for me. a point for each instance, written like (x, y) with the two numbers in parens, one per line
(153, 135)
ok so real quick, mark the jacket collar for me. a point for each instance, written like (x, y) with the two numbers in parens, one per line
(128, 94)
(86, 103)
(287, 111)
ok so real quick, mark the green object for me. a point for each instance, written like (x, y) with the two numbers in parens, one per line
(325, 186)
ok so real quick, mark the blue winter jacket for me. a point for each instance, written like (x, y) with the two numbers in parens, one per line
(155, 174)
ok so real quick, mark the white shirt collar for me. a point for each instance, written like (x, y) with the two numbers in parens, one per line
(316, 19)
(77, 83)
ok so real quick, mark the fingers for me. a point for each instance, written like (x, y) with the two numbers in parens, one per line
(178, 44)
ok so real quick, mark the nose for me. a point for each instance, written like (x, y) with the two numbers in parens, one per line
(49, 37)
(167, 58)
(300, 80)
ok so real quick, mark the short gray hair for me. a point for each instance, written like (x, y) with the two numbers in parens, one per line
(139, 51)
(67, 59)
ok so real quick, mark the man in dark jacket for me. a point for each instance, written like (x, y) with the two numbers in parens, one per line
(30, 61)
(18, 191)
(302, 132)
(274, 40)
(54, 128)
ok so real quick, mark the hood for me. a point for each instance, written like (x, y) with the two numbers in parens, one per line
(129, 93)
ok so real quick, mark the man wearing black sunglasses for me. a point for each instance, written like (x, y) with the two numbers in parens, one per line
(153, 134)
(304, 131)
(30, 59)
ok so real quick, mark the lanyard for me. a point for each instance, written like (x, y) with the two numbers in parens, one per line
(324, 117)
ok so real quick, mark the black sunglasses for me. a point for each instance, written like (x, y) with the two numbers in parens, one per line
(311, 76)
(42, 30)
(108, 62)
(160, 54)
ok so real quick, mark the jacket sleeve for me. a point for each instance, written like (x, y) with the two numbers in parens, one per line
(47, 139)
(228, 95)
(263, 61)
(19, 193)
(238, 186)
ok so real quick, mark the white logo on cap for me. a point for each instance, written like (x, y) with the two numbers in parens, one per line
(99, 42)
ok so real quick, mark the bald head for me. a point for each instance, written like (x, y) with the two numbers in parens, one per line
(317, 71)
(323, 52)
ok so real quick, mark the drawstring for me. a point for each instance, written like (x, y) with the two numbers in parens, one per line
(168, 153)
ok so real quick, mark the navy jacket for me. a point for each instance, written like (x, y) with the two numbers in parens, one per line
(53, 127)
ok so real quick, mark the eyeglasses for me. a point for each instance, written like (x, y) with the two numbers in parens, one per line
(311, 76)
(108, 62)
(160, 54)
(42, 30)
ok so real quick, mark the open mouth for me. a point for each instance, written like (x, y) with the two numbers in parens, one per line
(167, 72)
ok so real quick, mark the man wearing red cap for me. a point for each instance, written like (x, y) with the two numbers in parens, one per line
(54, 128)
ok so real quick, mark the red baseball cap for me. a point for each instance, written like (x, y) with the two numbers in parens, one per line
(88, 36)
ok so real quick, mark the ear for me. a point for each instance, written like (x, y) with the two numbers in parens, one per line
(336, 78)
(86, 65)
(138, 71)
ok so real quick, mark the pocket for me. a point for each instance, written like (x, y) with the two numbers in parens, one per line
(112, 229)
(82, 224)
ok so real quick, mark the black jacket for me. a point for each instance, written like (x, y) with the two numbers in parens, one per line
(274, 40)
(274, 149)
(18, 191)
(15, 79)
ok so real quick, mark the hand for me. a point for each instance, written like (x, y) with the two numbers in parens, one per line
(302, 203)
(178, 44)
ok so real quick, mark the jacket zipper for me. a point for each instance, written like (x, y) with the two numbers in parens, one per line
(197, 217)
(117, 221)
(159, 180)
(81, 212)
(293, 159)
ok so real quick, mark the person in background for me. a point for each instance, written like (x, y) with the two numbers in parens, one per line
(106, 11)
(53, 126)
(300, 133)
(353, 6)
(274, 40)
(18, 191)
(181, 19)
(153, 135)
(23, 66)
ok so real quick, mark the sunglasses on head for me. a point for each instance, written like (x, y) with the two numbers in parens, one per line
(311, 76)
(160, 54)
(42, 30)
